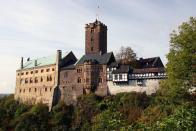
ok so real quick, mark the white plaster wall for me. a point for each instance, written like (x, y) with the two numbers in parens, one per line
(150, 86)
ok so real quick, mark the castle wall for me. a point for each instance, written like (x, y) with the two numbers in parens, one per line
(93, 78)
(70, 89)
(150, 86)
(35, 85)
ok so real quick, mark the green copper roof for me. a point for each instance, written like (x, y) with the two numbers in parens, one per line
(43, 61)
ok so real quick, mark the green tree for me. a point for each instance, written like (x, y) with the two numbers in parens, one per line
(183, 119)
(29, 121)
(108, 120)
(182, 58)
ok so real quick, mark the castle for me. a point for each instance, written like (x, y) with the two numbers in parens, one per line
(63, 77)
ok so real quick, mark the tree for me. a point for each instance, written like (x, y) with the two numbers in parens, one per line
(108, 120)
(182, 58)
(126, 55)
(184, 118)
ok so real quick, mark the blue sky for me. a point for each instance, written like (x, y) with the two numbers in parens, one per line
(35, 28)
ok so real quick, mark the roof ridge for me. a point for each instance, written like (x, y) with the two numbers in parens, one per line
(67, 52)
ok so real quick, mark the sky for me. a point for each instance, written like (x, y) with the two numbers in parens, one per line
(37, 28)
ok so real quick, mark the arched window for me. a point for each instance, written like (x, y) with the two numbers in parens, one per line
(31, 80)
(79, 80)
(36, 80)
(22, 81)
(26, 80)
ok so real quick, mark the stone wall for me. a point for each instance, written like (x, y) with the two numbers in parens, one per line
(95, 38)
(35, 85)
(70, 89)
(150, 86)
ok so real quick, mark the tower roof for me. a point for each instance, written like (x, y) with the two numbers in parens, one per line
(95, 23)
(101, 59)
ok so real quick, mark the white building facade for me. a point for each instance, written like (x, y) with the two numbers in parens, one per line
(124, 78)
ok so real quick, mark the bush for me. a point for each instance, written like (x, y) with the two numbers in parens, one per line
(29, 121)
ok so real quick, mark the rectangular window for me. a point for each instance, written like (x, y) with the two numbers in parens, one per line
(79, 70)
(47, 70)
(120, 76)
(116, 77)
(79, 80)
(100, 80)
(110, 76)
(36, 71)
(66, 75)
(31, 72)
(27, 73)
(41, 80)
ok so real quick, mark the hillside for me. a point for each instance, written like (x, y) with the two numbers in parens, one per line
(125, 111)
(3, 95)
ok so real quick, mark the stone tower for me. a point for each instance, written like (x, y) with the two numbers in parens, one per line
(95, 38)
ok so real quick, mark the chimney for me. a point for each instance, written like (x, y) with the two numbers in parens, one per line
(58, 57)
(21, 64)
(28, 59)
(35, 62)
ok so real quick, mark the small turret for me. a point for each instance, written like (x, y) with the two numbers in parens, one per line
(21, 63)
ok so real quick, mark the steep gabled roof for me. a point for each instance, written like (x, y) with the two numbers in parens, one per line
(43, 61)
(122, 69)
(100, 59)
(154, 62)
(149, 70)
